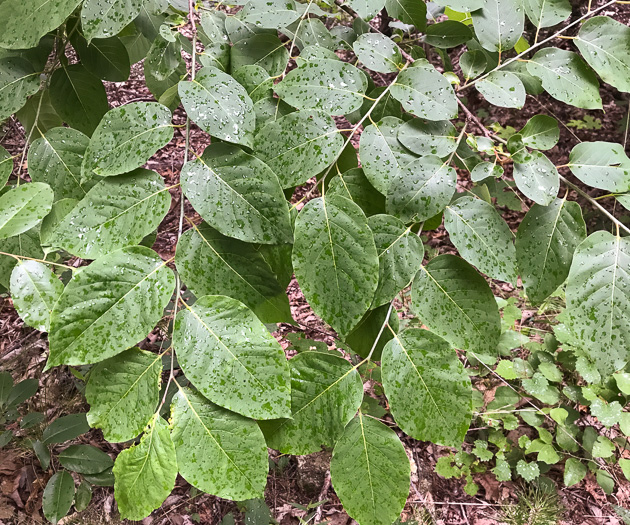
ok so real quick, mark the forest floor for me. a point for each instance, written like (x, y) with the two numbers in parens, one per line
(295, 482)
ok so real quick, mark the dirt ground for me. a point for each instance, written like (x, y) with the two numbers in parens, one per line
(295, 480)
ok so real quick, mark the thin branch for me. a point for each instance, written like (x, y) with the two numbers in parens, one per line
(590, 199)
(542, 42)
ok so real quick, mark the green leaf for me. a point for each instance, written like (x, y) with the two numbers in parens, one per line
(623, 382)
(603, 165)
(56, 159)
(211, 264)
(428, 137)
(456, 303)
(421, 190)
(540, 132)
(382, 155)
(274, 14)
(123, 393)
(85, 459)
(503, 89)
(498, 24)
(354, 185)
(545, 243)
(105, 18)
(18, 81)
(59, 210)
(603, 43)
(219, 105)
(298, 146)
(231, 358)
(26, 244)
(78, 97)
(313, 33)
(473, 63)
(238, 195)
(378, 53)
(326, 392)
(21, 392)
(425, 93)
(83, 496)
(483, 170)
(528, 471)
(447, 34)
(331, 86)
(58, 496)
(566, 77)
(574, 472)
(65, 428)
(335, 260)
(408, 12)
(163, 60)
(366, 450)
(427, 387)
(109, 306)
(608, 414)
(115, 213)
(625, 467)
(482, 237)
(218, 452)
(24, 23)
(106, 58)
(400, 254)
(547, 13)
(34, 290)
(598, 295)
(145, 473)
(23, 207)
(126, 138)
(264, 50)
(537, 178)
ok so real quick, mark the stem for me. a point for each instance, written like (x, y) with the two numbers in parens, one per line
(380, 332)
(20, 257)
(596, 204)
(542, 42)
(180, 226)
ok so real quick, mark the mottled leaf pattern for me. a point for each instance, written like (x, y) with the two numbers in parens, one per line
(382, 155)
(219, 105)
(482, 237)
(23, 207)
(298, 146)
(105, 18)
(145, 473)
(425, 93)
(231, 358)
(238, 195)
(56, 158)
(123, 393)
(109, 306)
(421, 190)
(335, 260)
(598, 298)
(218, 451)
(34, 290)
(545, 243)
(326, 392)
(126, 138)
(429, 391)
(212, 264)
(366, 451)
(331, 86)
(400, 254)
(456, 303)
(117, 212)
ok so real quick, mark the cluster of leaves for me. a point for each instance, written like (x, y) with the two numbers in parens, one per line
(233, 392)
